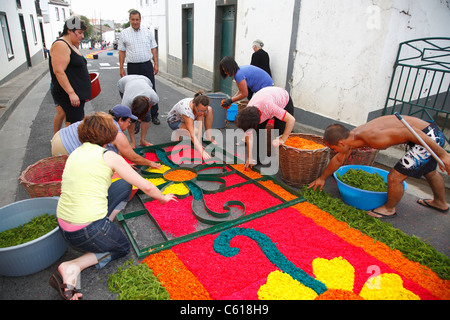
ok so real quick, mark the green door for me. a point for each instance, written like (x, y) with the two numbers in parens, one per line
(227, 43)
(189, 43)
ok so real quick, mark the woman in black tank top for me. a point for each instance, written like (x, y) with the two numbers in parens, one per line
(68, 68)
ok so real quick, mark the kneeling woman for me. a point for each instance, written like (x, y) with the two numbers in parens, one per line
(183, 115)
(89, 202)
(267, 103)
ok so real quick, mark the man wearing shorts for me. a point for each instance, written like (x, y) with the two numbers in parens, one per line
(382, 133)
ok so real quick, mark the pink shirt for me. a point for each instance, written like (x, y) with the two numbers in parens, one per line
(271, 102)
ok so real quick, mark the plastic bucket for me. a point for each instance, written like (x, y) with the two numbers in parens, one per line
(231, 113)
(358, 198)
(95, 84)
(37, 254)
(220, 114)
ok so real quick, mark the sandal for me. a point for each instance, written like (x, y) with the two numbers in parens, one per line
(424, 202)
(55, 282)
(382, 216)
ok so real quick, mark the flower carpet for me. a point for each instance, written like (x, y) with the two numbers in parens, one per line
(237, 235)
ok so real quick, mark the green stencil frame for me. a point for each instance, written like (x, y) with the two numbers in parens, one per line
(217, 221)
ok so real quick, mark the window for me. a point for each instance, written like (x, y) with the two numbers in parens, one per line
(63, 14)
(33, 29)
(57, 14)
(6, 35)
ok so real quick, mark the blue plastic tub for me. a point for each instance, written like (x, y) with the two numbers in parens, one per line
(35, 255)
(358, 198)
(232, 112)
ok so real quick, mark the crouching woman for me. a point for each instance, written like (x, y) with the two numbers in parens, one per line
(89, 202)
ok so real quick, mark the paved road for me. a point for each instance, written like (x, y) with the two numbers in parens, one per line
(25, 139)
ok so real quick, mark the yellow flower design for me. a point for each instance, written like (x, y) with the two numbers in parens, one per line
(175, 188)
(281, 286)
(387, 286)
(339, 277)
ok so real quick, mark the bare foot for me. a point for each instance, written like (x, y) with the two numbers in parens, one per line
(381, 212)
(432, 204)
(70, 275)
(145, 143)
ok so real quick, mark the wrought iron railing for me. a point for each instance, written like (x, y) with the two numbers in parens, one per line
(420, 82)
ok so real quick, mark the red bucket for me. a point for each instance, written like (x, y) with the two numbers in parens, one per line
(95, 84)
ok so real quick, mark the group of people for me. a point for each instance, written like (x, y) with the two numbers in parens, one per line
(97, 144)
(97, 147)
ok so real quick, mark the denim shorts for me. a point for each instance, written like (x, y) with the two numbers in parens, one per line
(102, 237)
(175, 125)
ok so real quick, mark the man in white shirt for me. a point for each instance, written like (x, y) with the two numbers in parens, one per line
(138, 46)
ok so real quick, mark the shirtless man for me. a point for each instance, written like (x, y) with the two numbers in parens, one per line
(382, 133)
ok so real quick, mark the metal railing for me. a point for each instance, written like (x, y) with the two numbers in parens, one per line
(420, 82)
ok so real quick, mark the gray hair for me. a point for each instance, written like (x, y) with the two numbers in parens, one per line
(258, 43)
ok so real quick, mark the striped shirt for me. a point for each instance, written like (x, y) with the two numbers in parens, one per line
(137, 44)
(69, 138)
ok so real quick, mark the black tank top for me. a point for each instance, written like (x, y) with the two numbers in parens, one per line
(78, 76)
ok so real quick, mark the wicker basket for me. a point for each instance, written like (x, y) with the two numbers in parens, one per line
(242, 104)
(43, 179)
(299, 167)
(361, 156)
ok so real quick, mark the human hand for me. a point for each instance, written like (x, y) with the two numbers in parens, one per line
(226, 103)
(155, 165)
(277, 142)
(205, 155)
(122, 72)
(74, 100)
(168, 197)
(446, 161)
(319, 182)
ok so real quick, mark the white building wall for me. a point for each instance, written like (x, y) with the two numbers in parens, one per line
(35, 46)
(53, 27)
(271, 22)
(204, 28)
(153, 14)
(9, 8)
(342, 59)
(174, 33)
(346, 51)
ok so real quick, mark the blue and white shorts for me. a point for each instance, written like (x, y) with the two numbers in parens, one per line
(417, 161)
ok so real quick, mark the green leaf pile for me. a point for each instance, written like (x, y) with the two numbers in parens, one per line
(136, 282)
(35, 228)
(364, 180)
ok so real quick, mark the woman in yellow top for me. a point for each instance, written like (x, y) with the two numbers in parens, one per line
(89, 202)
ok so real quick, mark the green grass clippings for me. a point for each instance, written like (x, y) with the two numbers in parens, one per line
(363, 180)
(136, 282)
(35, 228)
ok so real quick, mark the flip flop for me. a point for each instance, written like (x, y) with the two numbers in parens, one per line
(383, 216)
(426, 204)
(55, 282)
